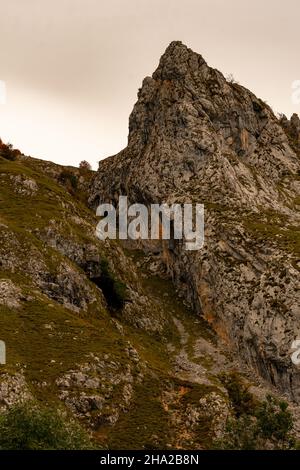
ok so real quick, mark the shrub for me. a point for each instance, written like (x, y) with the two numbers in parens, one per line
(269, 427)
(8, 152)
(240, 434)
(69, 180)
(85, 166)
(31, 427)
(274, 421)
(238, 391)
(230, 78)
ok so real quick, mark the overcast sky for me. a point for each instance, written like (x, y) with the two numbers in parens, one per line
(72, 68)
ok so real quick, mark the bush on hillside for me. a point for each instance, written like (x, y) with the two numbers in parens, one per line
(269, 426)
(68, 179)
(31, 427)
(85, 166)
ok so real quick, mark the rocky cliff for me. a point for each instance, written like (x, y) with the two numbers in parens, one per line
(93, 330)
(196, 137)
(147, 345)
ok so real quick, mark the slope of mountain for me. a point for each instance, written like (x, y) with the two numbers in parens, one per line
(195, 137)
(94, 330)
(138, 342)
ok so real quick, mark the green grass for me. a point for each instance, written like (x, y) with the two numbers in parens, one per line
(272, 226)
(146, 425)
(68, 343)
(45, 354)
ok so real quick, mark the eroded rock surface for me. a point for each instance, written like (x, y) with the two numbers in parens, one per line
(195, 137)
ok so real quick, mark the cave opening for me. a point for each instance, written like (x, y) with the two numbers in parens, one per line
(114, 290)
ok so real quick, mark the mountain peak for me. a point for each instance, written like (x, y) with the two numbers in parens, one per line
(177, 60)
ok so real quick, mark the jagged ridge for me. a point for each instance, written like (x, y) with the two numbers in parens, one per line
(193, 136)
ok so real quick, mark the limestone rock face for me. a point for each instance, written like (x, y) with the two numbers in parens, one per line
(292, 128)
(191, 130)
(196, 137)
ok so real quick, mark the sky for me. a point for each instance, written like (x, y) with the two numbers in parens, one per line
(71, 69)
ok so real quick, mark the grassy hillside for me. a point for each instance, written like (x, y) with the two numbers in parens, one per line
(139, 373)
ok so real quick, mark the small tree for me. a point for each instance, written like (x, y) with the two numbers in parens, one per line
(7, 151)
(230, 79)
(241, 398)
(275, 422)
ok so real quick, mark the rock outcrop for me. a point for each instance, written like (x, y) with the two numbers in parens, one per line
(196, 137)
(92, 329)
(105, 330)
